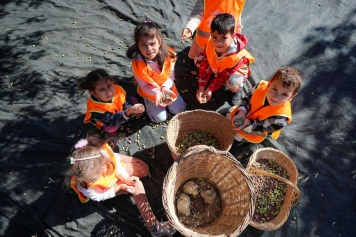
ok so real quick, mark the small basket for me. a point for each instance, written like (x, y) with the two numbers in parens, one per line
(199, 121)
(292, 194)
(228, 176)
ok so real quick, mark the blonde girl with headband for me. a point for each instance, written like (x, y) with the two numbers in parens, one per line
(97, 173)
(153, 69)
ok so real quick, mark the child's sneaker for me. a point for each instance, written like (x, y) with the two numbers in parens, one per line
(163, 229)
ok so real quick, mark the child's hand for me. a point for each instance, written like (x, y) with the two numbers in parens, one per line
(122, 188)
(240, 116)
(207, 94)
(186, 34)
(135, 110)
(139, 189)
(199, 94)
(244, 124)
(167, 96)
(132, 180)
(159, 97)
(138, 109)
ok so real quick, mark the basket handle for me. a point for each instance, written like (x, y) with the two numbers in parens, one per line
(198, 148)
(296, 197)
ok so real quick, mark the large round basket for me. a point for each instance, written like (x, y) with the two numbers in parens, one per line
(292, 196)
(228, 176)
(199, 121)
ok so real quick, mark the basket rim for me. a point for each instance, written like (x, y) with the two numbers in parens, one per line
(168, 180)
(270, 225)
(175, 153)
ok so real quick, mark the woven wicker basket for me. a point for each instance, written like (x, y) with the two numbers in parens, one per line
(199, 121)
(292, 195)
(228, 176)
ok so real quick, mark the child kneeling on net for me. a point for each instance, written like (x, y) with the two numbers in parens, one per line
(153, 69)
(224, 60)
(108, 107)
(97, 173)
(267, 108)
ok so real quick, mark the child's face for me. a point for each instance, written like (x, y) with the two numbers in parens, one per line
(104, 90)
(149, 46)
(221, 42)
(277, 94)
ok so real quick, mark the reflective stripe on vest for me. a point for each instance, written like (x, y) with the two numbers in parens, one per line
(101, 107)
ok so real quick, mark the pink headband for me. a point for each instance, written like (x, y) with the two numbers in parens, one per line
(80, 144)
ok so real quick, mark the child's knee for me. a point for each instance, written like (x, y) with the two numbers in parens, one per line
(159, 117)
(141, 169)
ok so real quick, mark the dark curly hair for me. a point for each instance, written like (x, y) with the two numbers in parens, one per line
(290, 77)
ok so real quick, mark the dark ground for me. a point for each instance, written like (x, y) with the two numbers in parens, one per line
(45, 48)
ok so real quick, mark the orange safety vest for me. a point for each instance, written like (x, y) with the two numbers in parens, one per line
(219, 65)
(260, 112)
(142, 71)
(211, 9)
(105, 181)
(115, 106)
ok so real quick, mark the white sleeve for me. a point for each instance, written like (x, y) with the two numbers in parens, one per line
(195, 16)
(97, 194)
(121, 173)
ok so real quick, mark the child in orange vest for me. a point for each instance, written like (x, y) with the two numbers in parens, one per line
(200, 18)
(266, 109)
(97, 173)
(108, 106)
(224, 60)
(153, 69)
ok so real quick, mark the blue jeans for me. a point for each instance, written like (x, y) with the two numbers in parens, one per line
(158, 114)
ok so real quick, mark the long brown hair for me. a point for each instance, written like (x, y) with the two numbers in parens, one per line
(148, 28)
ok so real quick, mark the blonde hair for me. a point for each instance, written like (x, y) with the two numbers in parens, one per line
(84, 170)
